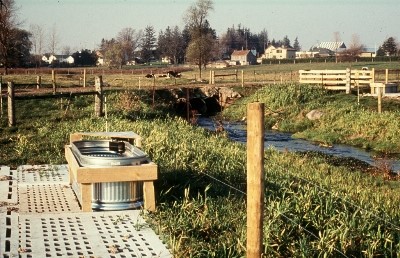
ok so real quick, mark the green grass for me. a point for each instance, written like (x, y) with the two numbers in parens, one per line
(315, 205)
(344, 120)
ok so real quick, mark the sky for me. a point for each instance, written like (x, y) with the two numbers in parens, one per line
(81, 24)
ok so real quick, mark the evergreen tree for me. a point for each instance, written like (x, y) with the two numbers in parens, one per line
(390, 47)
(296, 44)
(148, 44)
(380, 52)
(286, 42)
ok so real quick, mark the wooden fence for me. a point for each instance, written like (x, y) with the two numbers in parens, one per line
(349, 79)
(338, 79)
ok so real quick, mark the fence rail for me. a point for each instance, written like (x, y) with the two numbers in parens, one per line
(338, 79)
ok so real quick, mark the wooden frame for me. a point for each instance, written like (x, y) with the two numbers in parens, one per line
(86, 176)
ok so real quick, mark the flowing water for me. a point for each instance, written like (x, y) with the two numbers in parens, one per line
(284, 141)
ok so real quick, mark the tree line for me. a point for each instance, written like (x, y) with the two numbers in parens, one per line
(196, 43)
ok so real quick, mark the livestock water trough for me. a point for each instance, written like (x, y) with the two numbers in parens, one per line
(111, 174)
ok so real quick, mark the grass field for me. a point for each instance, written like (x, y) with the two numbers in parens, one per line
(134, 77)
(315, 206)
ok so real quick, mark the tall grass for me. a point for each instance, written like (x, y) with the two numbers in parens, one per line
(312, 208)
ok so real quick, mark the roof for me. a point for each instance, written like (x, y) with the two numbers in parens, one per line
(281, 47)
(240, 52)
(331, 45)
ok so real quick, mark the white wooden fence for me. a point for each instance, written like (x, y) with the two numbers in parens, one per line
(338, 79)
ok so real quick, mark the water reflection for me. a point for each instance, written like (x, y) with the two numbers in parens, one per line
(284, 141)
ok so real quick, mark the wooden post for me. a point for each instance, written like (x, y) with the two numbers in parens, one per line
(242, 78)
(348, 81)
(53, 81)
(373, 75)
(236, 76)
(386, 76)
(11, 104)
(38, 82)
(98, 99)
(154, 91)
(1, 96)
(358, 87)
(210, 82)
(379, 99)
(84, 78)
(187, 105)
(255, 179)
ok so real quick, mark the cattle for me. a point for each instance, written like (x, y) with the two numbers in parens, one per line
(174, 74)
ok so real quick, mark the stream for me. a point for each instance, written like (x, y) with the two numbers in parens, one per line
(284, 141)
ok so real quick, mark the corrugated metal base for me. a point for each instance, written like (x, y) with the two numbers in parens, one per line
(47, 222)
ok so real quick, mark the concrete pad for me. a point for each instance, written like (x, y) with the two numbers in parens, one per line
(41, 217)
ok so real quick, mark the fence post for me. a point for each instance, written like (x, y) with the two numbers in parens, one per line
(210, 82)
(255, 179)
(379, 99)
(236, 76)
(242, 78)
(373, 75)
(38, 82)
(154, 91)
(187, 105)
(53, 81)
(84, 78)
(386, 76)
(11, 104)
(348, 80)
(1, 96)
(98, 99)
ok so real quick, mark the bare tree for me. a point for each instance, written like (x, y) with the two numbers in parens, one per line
(66, 50)
(336, 39)
(37, 39)
(354, 50)
(8, 24)
(196, 21)
(129, 39)
(53, 40)
(356, 46)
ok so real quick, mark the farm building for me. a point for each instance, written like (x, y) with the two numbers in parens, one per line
(334, 46)
(243, 57)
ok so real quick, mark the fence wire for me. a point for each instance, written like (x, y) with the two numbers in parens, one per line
(342, 198)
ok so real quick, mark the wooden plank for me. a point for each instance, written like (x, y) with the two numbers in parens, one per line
(73, 165)
(144, 172)
(149, 196)
(75, 137)
(86, 197)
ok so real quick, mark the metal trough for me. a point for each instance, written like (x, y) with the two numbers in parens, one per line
(106, 153)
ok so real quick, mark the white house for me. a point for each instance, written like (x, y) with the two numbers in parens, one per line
(273, 52)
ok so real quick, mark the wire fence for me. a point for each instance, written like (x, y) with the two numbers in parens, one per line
(294, 177)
